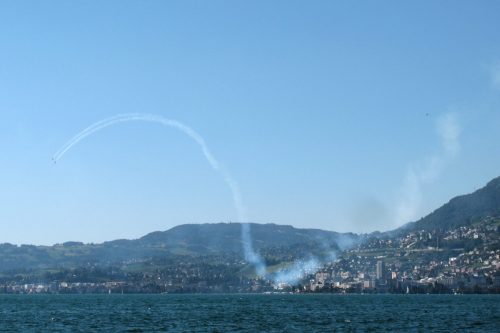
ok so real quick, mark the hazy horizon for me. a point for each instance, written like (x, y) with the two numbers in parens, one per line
(339, 116)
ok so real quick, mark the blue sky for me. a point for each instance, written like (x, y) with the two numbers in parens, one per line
(340, 115)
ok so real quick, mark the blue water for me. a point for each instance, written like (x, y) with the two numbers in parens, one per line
(249, 313)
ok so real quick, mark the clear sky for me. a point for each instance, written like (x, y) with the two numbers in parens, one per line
(341, 115)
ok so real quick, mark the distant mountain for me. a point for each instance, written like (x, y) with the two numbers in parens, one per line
(461, 211)
(183, 240)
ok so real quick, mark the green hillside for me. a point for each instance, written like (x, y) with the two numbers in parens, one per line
(192, 240)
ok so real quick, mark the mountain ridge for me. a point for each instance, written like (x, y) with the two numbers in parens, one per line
(194, 240)
(198, 240)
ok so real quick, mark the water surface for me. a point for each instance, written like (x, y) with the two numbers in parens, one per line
(249, 313)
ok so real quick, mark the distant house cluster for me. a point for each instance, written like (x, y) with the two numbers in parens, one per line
(462, 260)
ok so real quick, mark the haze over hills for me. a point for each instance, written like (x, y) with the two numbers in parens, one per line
(224, 239)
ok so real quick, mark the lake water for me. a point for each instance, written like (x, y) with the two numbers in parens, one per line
(249, 313)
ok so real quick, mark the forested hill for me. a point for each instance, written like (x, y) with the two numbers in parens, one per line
(226, 237)
(193, 240)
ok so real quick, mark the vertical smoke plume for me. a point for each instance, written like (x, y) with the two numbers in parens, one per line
(250, 255)
(449, 130)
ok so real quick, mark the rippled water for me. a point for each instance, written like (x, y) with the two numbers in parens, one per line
(249, 313)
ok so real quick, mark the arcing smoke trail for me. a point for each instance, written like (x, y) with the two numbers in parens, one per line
(250, 255)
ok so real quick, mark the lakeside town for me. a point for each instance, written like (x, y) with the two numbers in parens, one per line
(462, 260)
(420, 261)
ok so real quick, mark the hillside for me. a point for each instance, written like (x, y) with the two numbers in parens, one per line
(226, 237)
(276, 243)
(192, 240)
(462, 210)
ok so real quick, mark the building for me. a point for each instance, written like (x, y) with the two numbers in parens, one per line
(380, 270)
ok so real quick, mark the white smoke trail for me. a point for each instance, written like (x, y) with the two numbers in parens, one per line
(250, 255)
(495, 75)
(139, 117)
(448, 129)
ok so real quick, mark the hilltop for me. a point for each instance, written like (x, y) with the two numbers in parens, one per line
(192, 240)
